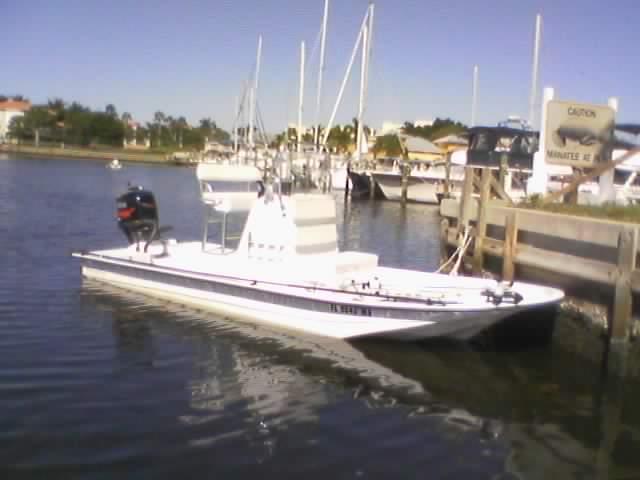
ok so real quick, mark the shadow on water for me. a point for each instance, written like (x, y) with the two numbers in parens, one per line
(555, 418)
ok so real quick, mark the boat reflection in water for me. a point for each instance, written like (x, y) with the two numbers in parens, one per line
(540, 411)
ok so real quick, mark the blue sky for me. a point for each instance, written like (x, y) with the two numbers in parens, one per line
(191, 57)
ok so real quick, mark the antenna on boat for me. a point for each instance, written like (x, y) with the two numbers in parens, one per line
(534, 72)
(323, 39)
(474, 95)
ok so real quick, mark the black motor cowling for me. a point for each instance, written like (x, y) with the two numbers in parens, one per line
(138, 215)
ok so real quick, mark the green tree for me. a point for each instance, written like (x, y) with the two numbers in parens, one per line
(340, 138)
(142, 134)
(110, 110)
(129, 133)
(388, 145)
(439, 128)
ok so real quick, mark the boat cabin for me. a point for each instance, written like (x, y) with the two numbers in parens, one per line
(492, 146)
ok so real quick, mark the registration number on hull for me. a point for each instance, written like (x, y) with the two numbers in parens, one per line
(350, 310)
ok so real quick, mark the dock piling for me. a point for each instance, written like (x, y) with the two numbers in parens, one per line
(481, 226)
(444, 234)
(622, 300)
(372, 186)
(346, 182)
(447, 176)
(465, 201)
(404, 185)
(510, 245)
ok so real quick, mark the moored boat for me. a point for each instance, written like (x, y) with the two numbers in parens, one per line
(287, 271)
(114, 164)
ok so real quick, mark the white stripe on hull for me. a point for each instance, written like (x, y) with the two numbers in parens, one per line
(334, 325)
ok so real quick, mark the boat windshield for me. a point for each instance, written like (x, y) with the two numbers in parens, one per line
(230, 186)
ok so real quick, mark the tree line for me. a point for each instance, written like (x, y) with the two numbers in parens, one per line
(441, 127)
(342, 138)
(73, 123)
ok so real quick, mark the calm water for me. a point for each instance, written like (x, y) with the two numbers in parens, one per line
(98, 383)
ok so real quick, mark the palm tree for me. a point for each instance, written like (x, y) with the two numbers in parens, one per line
(110, 110)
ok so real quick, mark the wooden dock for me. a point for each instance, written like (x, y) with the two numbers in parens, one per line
(585, 256)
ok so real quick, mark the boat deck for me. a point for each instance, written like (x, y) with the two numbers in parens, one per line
(351, 277)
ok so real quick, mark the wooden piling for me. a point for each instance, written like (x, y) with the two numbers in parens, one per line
(404, 184)
(627, 247)
(372, 186)
(502, 172)
(510, 245)
(481, 226)
(620, 317)
(447, 175)
(346, 183)
(465, 200)
(444, 240)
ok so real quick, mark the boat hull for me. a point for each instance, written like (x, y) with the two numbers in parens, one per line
(418, 189)
(315, 316)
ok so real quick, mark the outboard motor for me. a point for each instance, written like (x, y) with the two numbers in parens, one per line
(138, 216)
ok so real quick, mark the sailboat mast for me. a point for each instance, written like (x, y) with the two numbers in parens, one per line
(236, 106)
(363, 77)
(323, 38)
(245, 97)
(369, 47)
(344, 80)
(534, 72)
(254, 93)
(301, 97)
(474, 95)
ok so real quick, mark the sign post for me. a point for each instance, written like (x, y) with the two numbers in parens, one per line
(537, 183)
(607, 192)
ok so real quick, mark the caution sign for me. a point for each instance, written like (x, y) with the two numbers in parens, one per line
(578, 134)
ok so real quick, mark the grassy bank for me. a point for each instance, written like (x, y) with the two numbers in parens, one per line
(87, 153)
(612, 212)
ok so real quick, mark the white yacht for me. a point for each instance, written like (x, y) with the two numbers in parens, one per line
(425, 182)
(287, 272)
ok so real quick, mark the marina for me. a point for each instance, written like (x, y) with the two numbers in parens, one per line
(306, 243)
(147, 386)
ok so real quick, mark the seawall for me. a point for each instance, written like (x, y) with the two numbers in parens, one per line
(86, 153)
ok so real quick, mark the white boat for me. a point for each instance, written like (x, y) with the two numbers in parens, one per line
(114, 164)
(425, 183)
(287, 272)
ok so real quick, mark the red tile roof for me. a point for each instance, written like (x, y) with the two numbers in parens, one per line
(15, 105)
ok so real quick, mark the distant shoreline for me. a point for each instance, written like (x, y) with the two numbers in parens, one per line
(87, 153)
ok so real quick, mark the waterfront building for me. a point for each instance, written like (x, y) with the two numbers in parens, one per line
(9, 109)
(421, 149)
(423, 123)
(451, 143)
(390, 128)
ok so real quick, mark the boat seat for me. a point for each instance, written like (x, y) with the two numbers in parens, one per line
(225, 188)
(314, 217)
